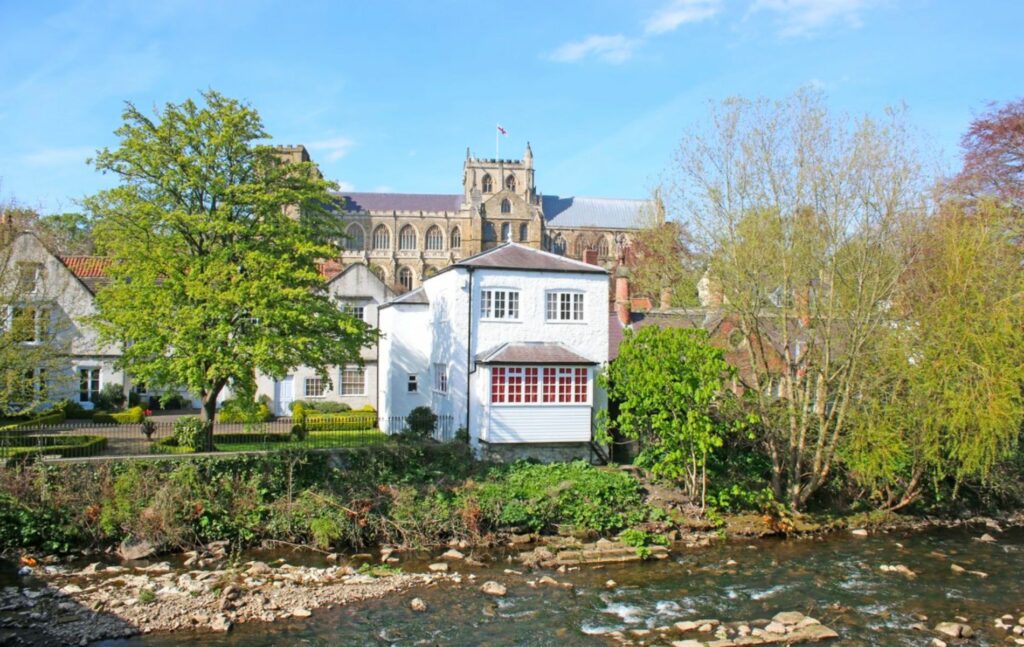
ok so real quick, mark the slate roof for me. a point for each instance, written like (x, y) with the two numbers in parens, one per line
(615, 332)
(513, 256)
(531, 353)
(90, 270)
(430, 202)
(414, 297)
(602, 213)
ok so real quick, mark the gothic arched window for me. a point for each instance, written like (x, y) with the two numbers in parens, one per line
(510, 183)
(524, 232)
(487, 184)
(578, 247)
(379, 272)
(506, 232)
(603, 248)
(355, 238)
(405, 278)
(456, 239)
(407, 238)
(506, 206)
(435, 239)
(558, 245)
(489, 234)
(381, 238)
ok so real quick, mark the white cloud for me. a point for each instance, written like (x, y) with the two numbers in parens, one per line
(610, 49)
(383, 188)
(333, 149)
(59, 156)
(804, 17)
(679, 12)
(346, 186)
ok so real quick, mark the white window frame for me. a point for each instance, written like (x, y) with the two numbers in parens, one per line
(315, 379)
(565, 306)
(95, 376)
(346, 384)
(499, 304)
(441, 378)
(540, 395)
(357, 310)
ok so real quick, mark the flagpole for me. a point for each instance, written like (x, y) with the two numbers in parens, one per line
(497, 136)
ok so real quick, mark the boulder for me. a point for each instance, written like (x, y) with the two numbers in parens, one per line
(859, 532)
(775, 628)
(439, 567)
(789, 617)
(220, 623)
(954, 629)
(987, 538)
(493, 588)
(300, 612)
(131, 550)
(453, 554)
(417, 604)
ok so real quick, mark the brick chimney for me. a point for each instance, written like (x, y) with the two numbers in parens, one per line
(623, 306)
(590, 256)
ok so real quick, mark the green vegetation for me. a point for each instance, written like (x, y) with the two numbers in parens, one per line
(404, 493)
(216, 241)
(19, 447)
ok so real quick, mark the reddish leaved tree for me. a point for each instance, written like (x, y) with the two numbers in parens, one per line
(994, 154)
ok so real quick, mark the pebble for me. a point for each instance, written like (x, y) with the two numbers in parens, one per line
(493, 588)
(417, 604)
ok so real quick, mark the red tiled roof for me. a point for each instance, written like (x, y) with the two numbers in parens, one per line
(87, 267)
(532, 353)
(329, 269)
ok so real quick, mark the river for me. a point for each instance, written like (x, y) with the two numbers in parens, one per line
(836, 579)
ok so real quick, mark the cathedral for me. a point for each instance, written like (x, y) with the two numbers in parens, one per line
(406, 237)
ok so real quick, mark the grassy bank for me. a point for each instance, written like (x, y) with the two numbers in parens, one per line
(409, 494)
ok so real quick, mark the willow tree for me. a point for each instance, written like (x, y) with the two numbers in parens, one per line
(799, 213)
(948, 402)
(215, 242)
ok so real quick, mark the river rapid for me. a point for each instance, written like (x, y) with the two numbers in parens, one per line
(837, 579)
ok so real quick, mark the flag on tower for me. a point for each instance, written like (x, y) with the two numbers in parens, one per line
(502, 130)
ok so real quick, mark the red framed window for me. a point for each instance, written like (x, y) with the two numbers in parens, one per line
(549, 385)
(530, 385)
(515, 385)
(497, 385)
(580, 385)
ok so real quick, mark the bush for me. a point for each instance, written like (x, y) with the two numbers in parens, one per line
(540, 497)
(298, 412)
(188, 432)
(353, 421)
(132, 416)
(237, 411)
(367, 408)
(74, 411)
(21, 448)
(321, 406)
(420, 423)
(54, 418)
(251, 437)
(166, 402)
(110, 397)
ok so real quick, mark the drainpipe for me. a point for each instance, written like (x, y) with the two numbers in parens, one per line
(469, 345)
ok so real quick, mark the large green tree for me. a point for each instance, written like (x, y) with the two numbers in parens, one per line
(948, 402)
(799, 213)
(216, 243)
(668, 383)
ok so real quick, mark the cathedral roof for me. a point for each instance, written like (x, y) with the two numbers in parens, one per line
(601, 213)
(512, 256)
(430, 202)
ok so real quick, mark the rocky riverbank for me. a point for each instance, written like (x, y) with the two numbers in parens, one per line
(62, 606)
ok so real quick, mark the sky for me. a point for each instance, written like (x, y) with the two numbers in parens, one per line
(388, 95)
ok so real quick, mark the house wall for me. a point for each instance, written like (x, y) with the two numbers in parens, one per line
(404, 350)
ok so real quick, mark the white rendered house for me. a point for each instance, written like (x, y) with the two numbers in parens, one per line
(508, 343)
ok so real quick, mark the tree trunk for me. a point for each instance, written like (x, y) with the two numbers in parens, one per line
(207, 414)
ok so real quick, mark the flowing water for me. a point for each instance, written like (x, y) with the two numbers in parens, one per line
(836, 579)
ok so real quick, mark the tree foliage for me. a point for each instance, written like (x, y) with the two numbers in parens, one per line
(662, 262)
(800, 214)
(668, 383)
(948, 402)
(993, 150)
(216, 243)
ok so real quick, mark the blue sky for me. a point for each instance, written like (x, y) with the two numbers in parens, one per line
(387, 95)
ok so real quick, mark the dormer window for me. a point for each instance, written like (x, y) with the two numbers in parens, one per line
(30, 275)
(487, 184)
(506, 206)
(510, 183)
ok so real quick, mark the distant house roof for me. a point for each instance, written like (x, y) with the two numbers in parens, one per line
(602, 213)
(415, 297)
(430, 202)
(531, 353)
(513, 256)
(614, 335)
(329, 269)
(90, 270)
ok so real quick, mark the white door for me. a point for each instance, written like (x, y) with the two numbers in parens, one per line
(283, 396)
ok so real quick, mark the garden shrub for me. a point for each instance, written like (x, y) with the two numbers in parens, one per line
(239, 411)
(329, 407)
(110, 397)
(188, 432)
(420, 423)
(74, 411)
(132, 416)
(353, 421)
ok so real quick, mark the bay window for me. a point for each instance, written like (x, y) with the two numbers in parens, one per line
(539, 385)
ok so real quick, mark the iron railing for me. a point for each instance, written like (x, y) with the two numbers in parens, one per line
(84, 438)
